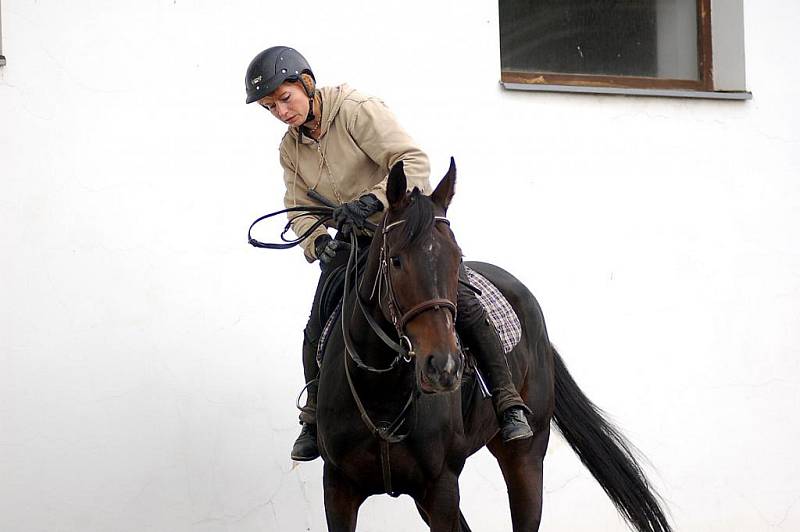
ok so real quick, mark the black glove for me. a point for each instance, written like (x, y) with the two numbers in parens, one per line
(327, 248)
(354, 213)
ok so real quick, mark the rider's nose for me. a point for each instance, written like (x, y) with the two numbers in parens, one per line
(282, 110)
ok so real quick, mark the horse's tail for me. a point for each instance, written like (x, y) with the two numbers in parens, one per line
(606, 453)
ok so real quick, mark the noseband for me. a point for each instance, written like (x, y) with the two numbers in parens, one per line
(399, 318)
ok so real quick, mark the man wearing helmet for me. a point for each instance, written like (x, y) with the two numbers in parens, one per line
(341, 144)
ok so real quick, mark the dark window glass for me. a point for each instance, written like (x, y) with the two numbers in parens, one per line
(650, 38)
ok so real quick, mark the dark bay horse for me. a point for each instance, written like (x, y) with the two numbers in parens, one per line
(391, 417)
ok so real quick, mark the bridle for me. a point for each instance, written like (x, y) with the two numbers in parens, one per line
(383, 287)
(387, 433)
(399, 318)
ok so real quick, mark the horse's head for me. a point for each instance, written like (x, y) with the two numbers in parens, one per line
(420, 261)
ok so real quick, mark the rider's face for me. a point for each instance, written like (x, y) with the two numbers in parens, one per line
(288, 103)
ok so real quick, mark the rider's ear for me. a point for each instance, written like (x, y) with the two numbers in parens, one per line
(446, 187)
(396, 187)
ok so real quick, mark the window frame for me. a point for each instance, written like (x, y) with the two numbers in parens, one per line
(704, 87)
(2, 57)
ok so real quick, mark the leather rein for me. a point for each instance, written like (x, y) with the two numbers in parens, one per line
(399, 319)
(386, 432)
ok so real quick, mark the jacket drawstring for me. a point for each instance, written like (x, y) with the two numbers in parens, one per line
(296, 163)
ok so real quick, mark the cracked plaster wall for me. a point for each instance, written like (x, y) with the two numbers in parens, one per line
(150, 357)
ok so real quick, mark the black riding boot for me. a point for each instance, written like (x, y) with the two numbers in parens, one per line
(305, 447)
(482, 337)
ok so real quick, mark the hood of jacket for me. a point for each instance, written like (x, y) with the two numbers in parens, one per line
(332, 98)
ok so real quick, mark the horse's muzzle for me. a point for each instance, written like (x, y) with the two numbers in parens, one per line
(439, 373)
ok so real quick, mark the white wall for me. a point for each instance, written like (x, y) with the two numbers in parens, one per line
(150, 357)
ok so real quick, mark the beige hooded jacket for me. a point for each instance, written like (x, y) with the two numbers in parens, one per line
(360, 141)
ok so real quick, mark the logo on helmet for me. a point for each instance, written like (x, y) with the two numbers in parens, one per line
(256, 80)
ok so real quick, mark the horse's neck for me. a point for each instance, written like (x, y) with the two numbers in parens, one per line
(372, 350)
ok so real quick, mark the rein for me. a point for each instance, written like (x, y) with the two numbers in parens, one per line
(385, 432)
(323, 214)
(376, 328)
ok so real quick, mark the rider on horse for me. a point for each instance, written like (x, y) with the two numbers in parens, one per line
(341, 145)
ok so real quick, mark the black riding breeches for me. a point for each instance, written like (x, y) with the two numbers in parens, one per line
(318, 316)
(316, 322)
(470, 309)
(476, 328)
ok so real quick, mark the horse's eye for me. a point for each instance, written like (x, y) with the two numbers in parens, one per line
(395, 261)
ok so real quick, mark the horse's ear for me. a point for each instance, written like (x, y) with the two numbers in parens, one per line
(396, 186)
(446, 188)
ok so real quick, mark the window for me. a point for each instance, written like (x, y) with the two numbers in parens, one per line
(2, 57)
(657, 47)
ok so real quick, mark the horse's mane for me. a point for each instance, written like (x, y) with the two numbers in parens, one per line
(418, 218)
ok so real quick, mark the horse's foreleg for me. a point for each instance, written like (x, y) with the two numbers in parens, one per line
(342, 501)
(521, 464)
(439, 507)
(461, 519)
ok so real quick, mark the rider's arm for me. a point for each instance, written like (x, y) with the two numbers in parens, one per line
(296, 196)
(376, 131)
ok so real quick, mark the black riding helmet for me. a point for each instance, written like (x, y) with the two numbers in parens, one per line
(272, 67)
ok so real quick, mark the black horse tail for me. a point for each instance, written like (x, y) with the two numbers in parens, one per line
(606, 453)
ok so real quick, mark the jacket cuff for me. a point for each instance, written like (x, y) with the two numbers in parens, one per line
(379, 191)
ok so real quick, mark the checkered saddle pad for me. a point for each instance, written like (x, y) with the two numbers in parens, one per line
(505, 320)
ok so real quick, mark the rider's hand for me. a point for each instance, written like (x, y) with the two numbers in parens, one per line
(353, 214)
(326, 249)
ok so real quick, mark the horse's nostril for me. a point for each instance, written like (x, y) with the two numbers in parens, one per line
(430, 366)
(440, 372)
(442, 367)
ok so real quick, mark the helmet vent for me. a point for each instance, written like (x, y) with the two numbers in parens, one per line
(272, 67)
